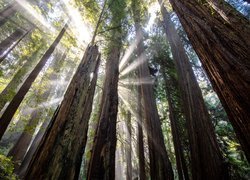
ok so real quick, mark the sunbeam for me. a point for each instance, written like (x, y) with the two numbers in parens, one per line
(140, 60)
(79, 28)
(129, 51)
(27, 8)
(130, 81)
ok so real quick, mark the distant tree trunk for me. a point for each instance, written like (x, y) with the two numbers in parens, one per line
(160, 166)
(206, 158)
(220, 36)
(59, 154)
(19, 149)
(9, 41)
(9, 11)
(129, 147)
(7, 45)
(20, 171)
(28, 156)
(102, 162)
(9, 91)
(16, 101)
(179, 154)
(142, 173)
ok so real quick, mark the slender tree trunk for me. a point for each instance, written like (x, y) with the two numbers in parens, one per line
(16, 101)
(7, 45)
(179, 154)
(19, 150)
(28, 156)
(160, 166)
(129, 147)
(9, 91)
(220, 36)
(9, 41)
(142, 173)
(59, 154)
(206, 158)
(102, 162)
(9, 11)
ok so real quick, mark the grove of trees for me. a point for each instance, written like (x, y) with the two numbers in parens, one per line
(125, 89)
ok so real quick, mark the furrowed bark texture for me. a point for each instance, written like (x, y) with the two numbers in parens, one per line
(206, 158)
(17, 99)
(142, 173)
(160, 166)
(102, 162)
(59, 154)
(179, 154)
(220, 36)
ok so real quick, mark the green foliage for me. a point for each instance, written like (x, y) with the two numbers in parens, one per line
(6, 168)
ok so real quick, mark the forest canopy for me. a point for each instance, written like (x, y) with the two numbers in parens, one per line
(125, 89)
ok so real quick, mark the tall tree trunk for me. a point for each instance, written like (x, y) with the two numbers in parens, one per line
(10, 90)
(160, 166)
(102, 162)
(206, 158)
(35, 143)
(129, 147)
(9, 11)
(59, 154)
(16, 101)
(179, 154)
(142, 173)
(7, 45)
(220, 36)
(18, 151)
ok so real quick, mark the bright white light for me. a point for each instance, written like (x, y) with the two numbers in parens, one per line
(32, 13)
(129, 51)
(80, 29)
(152, 11)
(134, 65)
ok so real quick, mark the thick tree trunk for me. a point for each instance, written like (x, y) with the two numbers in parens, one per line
(9, 11)
(7, 45)
(206, 158)
(19, 150)
(220, 36)
(102, 162)
(179, 154)
(129, 147)
(59, 154)
(10, 90)
(28, 156)
(16, 101)
(142, 173)
(160, 166)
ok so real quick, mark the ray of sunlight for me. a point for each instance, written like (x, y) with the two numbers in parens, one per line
(32, 14)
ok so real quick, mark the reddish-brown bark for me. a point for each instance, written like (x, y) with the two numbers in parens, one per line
(220, 36)
(59, 154)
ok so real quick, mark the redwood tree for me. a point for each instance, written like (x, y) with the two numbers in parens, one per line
(16, 101)
(160, 166)
(59, 154)
(206, 158)
(220, 36)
